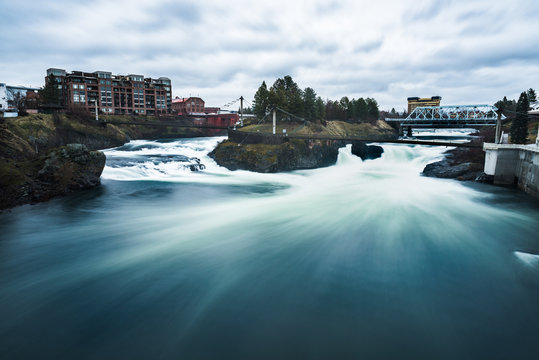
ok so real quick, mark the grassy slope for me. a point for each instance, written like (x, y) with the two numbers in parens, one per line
(339, 128)
(532, 130)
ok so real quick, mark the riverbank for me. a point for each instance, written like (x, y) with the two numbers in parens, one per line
(463, 164)
(38, 160)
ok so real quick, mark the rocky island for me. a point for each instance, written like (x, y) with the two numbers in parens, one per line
(253, 148)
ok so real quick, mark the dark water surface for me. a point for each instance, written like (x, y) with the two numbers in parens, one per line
(359, 260)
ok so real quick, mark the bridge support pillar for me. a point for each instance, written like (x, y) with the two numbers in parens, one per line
(401, 130)
(409, 131)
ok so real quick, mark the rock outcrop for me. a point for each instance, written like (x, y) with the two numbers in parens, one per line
(264, 158)
(40, 158)
(61, 171)
(461, 164)
(366, 152)
(71, 167)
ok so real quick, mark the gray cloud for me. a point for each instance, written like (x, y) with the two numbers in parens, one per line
(465, 51)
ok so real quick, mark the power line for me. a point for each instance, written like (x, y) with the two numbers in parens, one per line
(265, 116)
(229, 104)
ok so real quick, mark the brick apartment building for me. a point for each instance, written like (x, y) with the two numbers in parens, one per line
(113, 94)
(190, 105)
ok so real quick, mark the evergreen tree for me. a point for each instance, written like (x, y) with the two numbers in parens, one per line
(277, 98)
(294, 96)
(519, 127)
(50, 94)
(372, 109)
(261, 101)
(320, 109)
(362, 110)
(309, 104)
(532, 96)
(347, 107)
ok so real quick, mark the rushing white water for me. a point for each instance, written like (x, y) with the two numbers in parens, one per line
(356, 193)
(177, 257)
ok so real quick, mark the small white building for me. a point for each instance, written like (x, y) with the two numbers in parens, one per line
(8, 94)
(3, 97)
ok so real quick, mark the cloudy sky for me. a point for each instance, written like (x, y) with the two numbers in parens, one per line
(468, 52)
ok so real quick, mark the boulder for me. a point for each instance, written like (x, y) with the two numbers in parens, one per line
(366, 152)
(461, 164)
(61, 171)
(72, 167)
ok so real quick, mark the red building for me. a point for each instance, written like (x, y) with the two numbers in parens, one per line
(217, 120)
(223, 119)
(186, 106)
(212, 110)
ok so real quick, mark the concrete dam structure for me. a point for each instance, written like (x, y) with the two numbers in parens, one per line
(512, 164)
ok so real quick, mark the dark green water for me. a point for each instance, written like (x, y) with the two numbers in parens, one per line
(358, 260)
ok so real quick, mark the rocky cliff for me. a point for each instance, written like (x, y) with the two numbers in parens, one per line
(59, 172)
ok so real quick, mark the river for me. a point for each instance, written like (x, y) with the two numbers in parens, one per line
(363, 259)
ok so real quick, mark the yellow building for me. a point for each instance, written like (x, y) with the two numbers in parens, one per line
(414, 102)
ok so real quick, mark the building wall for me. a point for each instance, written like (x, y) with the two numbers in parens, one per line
(7, 94)
(211, 110)
(188, 105)
(113, 94)
(414, 102)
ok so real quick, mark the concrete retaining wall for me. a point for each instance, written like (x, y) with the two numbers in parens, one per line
(514, 165)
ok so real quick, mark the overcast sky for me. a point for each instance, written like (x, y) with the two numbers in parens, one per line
(468, 52)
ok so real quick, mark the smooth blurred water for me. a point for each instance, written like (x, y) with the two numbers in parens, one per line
(357, 260)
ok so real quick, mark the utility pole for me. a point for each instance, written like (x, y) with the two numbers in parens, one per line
(274, 120)
(241, 110)
(498, 126)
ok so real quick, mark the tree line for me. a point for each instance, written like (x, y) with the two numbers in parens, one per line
(517, 112)
(286, 95)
